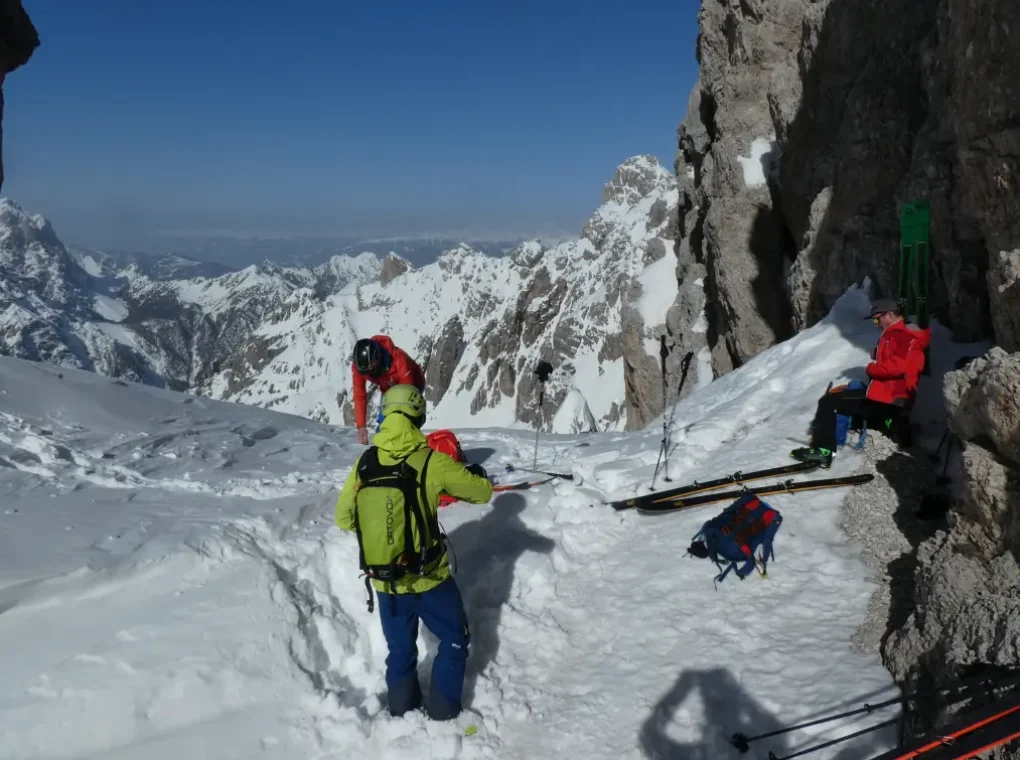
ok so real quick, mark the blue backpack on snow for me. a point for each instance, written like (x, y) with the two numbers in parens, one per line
(736, 534)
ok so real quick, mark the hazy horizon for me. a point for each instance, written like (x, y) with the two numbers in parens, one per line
(133, 127)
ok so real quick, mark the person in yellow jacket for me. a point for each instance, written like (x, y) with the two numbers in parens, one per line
(391, 501)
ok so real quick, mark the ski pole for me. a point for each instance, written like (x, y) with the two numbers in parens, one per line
(685, 366)
(664, 447)
(742, 742)
(954, 694)
(833, 742)
(543, 370)
(514, 468)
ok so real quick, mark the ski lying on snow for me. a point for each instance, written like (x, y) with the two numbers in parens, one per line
(788, 486)
(708, 485)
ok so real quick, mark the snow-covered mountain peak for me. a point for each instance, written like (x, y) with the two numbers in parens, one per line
(637, 178)
(455, 259)
(640, 204)
(31, 254)
(19, 230)
(527, 254)
(477, 324)
(341, 271)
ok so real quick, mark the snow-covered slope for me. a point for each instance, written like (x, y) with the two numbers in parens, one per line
(479, 324)
(172, 585)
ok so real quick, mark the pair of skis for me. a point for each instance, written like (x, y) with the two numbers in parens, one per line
(694, 494)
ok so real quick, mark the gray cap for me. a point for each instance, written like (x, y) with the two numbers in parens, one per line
(883, 305)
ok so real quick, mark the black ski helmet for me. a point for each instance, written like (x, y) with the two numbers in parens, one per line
(369, 357)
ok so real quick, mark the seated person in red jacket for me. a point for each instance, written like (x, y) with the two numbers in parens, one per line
(379, 361)
(898, 361)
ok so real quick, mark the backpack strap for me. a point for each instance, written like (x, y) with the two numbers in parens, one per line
(438, 548)
(367, 463)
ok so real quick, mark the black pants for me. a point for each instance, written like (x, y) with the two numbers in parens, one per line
(853, 404)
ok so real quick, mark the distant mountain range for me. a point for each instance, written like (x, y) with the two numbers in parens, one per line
(233, 253)
(280, 335)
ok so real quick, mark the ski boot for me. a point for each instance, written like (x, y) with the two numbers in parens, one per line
(821, 457)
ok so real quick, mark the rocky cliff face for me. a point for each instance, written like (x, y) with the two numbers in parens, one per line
(966, 598)
(811, 124)
(18, 40)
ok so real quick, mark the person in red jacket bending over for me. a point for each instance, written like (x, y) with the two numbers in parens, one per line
(897, 363)
(379, 361)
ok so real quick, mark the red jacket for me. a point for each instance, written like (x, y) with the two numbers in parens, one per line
(403, 370)
(898, 363)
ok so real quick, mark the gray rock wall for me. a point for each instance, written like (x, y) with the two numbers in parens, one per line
(812, 123)
(965, 602)
(857, 106)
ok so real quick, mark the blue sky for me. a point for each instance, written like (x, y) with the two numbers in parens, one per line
(137, 119)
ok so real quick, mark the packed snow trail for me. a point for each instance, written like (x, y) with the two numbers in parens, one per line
(171, 582)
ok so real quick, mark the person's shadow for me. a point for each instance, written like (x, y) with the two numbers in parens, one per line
(479, 454)
(727, 710)
(483, 555)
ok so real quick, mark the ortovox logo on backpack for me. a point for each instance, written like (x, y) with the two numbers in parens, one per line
(733, 536)
(391, 519)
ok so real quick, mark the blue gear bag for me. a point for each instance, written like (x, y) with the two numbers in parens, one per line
(734, 535)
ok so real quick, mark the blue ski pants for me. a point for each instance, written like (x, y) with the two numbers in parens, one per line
(442, 611)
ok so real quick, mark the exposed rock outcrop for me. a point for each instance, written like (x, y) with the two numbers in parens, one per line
(1004, 297)
(983, 401)
(811, 124)
(439, 358)
(965, 602)
(392, 267)
(18, 40)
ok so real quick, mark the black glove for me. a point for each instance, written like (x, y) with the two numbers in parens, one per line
(477, 469)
